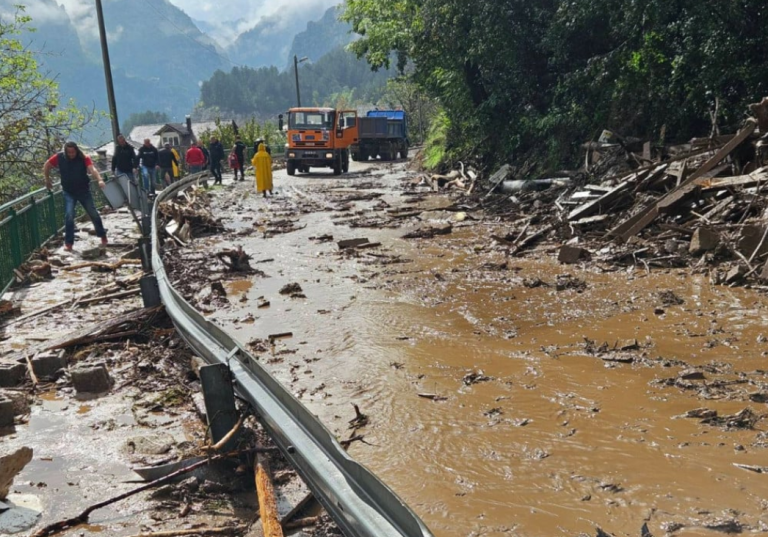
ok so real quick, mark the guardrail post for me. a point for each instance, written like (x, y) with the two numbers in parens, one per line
(219, 398)
(34, 215)
(13, 225)
(52, 227)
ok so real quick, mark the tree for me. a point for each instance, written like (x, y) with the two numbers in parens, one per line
(521, 80)
(144, 118)
(32, 123)
(421, 110)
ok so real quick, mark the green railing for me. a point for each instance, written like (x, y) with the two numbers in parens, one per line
(30, 221)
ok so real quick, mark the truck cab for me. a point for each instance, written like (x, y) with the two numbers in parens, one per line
(320, 137)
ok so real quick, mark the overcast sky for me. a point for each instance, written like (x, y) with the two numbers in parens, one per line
(210, 10)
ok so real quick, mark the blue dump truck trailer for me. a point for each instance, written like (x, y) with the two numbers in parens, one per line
(383, 134)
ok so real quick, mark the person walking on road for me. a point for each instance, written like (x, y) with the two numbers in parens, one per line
(124, 160)
(74, 168)
(166, 160)
(195, 160)
(239, 151)
(262, 164)
(147, 158)
(216, 151)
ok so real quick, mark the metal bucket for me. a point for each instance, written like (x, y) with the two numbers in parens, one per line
(114, 193)
(131, 190)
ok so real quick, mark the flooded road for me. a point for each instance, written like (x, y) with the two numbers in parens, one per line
(504, 396)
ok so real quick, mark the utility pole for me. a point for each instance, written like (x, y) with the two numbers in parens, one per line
(296, 62)
(108, 72)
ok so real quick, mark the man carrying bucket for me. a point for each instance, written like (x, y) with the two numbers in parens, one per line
(74, 168)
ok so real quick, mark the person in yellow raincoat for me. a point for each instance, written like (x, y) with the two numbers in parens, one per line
(175, 166)
(262, 164)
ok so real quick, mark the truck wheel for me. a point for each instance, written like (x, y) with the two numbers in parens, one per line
(337, 165)
(404, 152)
(290, 167)
(355, 156)
(345, 162)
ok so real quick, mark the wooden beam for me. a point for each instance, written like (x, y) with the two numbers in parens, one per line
(642, 219)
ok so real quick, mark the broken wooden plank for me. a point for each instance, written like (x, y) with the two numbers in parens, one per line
(642, 219)
(351, 243)
(756, 178)
(265, 492)
(597, 205)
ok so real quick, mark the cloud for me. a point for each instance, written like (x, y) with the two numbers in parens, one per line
(240, 16)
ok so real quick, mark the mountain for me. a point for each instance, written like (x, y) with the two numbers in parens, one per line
(321, 37)
(269, 41)
(159, 57)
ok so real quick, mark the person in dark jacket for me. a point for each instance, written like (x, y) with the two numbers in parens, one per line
(124, 160)
(257, 143)
(166, 159)
(216, 151)
(239, 151)
(207, 156)
(147, 159)
(74, 168)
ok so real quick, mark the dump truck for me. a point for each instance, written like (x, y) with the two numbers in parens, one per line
(383, 134)
(320, 138)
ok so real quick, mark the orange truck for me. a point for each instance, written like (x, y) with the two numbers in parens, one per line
(320, 138)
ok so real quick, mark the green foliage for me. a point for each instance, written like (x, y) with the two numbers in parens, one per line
(33, 124)
(249, 132)
(144, 118)
(403, 93)
(523, 80)
(266, 92)
(437, 141)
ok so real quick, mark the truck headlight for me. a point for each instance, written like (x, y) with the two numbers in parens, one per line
(292, 155)
(329, 155)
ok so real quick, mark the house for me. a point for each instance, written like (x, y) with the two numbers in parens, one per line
(176, 134)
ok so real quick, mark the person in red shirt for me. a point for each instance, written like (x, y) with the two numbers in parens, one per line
(195, 158)
(74, 168)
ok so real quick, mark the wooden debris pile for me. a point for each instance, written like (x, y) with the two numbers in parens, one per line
(36, 269)
(700, 203)
(189, 215)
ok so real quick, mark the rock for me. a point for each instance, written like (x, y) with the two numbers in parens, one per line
(19, 400)
(48, 365)
(158, 444)
(691, 374)
(24, 511)
(217, 288)
(92, 254)
(10, 466)
(749, 239)
(351, 243)
(571, 254)
(191, 484)
(12, 375)
(735, 275)
(91, 379)
(6, 412)
(704, 240)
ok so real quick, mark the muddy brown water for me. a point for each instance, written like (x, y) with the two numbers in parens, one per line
(556, 442)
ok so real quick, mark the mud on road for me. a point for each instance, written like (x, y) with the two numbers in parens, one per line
(504, 395)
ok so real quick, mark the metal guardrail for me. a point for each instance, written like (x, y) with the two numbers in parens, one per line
(30, 221)
(355, 498)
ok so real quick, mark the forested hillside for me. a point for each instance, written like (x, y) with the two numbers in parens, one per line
(337, 77)
(525, 80)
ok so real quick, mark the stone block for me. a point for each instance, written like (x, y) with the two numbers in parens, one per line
(571, 254)
(7, 412)
(91, 379)
(48, 365)
(10, 466)
(704, 240)
(11, 375)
